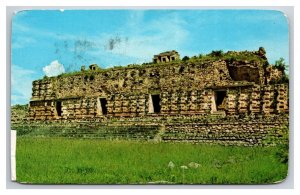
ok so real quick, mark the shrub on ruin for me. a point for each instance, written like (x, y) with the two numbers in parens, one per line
(262, 50)
(185, 58)
(20, 107)
(217, 53)
(283, 148)
(280, 65)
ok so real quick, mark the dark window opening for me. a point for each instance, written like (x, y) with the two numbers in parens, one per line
(164, 59)
(181, 69)
(220, 99)
(156, 103)
(244, 74)
(58, 108)
(172, 58)
(103, 104)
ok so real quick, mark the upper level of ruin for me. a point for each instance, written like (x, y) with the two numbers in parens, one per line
(215, 70)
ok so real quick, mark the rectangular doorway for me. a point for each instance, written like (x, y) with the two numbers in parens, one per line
(220, 100)
(58, 108)
(155, 103)
(103, 104)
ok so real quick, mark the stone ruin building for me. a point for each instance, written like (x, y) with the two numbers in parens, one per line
(182, 88)
(166, 56)
(232, 84)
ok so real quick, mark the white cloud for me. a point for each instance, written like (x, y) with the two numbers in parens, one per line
(54, 69)
(21, 84)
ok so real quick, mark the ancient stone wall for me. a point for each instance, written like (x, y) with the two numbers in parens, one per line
(254, 132)
(273, 74)
(19, 113)
(267, 99)
(212, 99)
(247, 131)
(232, 85)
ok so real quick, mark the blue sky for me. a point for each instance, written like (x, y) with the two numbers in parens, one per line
(53, 41)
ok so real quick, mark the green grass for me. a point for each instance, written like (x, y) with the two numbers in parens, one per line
(92, 161)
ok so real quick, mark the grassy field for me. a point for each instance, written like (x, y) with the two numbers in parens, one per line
(92, 161)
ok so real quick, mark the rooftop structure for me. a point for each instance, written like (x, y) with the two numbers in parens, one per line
(167, 56)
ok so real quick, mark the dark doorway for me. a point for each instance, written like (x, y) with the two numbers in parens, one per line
(58, 108)
(156, 103)
(103, 103)
(220, 99)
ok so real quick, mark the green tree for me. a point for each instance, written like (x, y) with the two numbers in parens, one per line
(217, 53)
(280, 64)
(185, 58)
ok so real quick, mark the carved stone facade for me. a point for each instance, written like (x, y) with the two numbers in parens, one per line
(189, 88)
